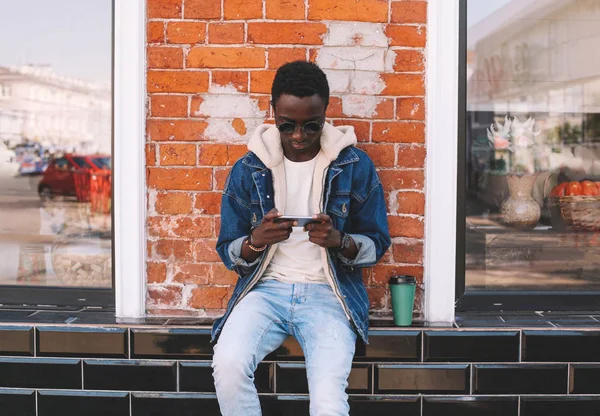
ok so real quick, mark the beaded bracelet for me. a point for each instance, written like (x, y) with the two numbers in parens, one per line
(254, 248)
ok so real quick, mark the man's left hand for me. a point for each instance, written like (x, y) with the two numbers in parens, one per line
(322, 232)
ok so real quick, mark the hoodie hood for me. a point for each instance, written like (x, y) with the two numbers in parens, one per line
(266, 143)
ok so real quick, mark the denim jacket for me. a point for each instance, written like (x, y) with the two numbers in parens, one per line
(352, 196)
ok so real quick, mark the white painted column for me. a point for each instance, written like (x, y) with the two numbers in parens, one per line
(441, 165)
(128, 158)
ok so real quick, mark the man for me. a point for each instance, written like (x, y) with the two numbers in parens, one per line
(300, 281)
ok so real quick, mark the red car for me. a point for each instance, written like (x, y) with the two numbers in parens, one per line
(59, 176)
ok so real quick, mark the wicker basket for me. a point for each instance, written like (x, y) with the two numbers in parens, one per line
(578, 213)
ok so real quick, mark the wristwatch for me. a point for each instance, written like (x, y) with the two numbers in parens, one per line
(346, 240)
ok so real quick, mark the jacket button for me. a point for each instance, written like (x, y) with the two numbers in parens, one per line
(268, 196)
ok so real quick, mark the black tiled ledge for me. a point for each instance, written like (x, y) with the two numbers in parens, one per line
(153, 367)
(99, 316)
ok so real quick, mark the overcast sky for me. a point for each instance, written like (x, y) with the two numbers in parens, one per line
(478, 9)
(74, 36)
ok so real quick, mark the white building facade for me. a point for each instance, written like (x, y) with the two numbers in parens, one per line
(38, 105)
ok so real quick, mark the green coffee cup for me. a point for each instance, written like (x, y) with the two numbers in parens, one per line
(402, 289)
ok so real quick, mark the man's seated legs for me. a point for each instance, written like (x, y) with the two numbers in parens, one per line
(328, 341)
(253, 330)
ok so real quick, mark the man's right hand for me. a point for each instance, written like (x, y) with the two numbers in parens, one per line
(271, 232)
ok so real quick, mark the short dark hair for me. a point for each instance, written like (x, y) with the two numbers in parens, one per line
(300, 79)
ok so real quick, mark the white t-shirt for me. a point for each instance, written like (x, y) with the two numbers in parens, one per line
(297, 260)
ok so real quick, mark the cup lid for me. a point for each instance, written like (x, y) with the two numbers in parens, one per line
(402, 279)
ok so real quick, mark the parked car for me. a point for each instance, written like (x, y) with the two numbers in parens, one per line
(59, 176)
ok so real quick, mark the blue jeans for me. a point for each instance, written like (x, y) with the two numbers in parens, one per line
(261, 322)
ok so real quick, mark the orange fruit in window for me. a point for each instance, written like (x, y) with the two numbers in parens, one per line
(559, 190)
(590, 188)
(574, 189)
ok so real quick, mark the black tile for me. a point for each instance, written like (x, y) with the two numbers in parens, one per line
(40, 373)
(16, 340)
(291, 378)
(574, 321)
(520, 379)
(52, 317)
(360, 380)
(180, 404)
(385, 406)
(15, 315)
(527, 321)
(147, 320)
(103, 318)
(197, 377)
(171, 343)
(189, 320)
(290, 350)
(390, 345)
(469, 346)
(17, 402)
(415, 378)
(561, 346)
(264, 378)
(78, 403)
(584, 379)
(479, 321)
(388, 322)
(63, 341)
(284, 405)
(471, 406)
(560, 406)
(129, 375)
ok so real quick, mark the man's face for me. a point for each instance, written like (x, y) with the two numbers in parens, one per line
(300, 146)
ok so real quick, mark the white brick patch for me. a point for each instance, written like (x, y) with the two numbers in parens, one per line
(223, 89)
(221, 106)
(152, 196)
(364, 82)
(390, 60)
(221, 130)
(229, 106)
(359, 105)
(354, 55)
(339, 81)
(359, 58)
(355, 34)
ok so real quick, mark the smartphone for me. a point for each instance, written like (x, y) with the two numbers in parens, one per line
(302, 221)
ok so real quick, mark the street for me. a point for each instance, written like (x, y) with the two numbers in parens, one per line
(54, 243)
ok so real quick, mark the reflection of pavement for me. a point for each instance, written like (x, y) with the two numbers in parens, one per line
(19, 204)
(36, 238)
(542, 259)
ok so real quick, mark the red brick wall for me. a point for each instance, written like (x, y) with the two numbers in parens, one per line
(210, 67)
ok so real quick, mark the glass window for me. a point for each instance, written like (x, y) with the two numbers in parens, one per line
(102, 162)
(56, 78)
(81, 162)
(531, 151)
(61, 164)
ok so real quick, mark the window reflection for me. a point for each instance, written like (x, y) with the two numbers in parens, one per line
(534, 67)
(55, 143)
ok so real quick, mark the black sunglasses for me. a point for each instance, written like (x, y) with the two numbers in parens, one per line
(311, 127)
